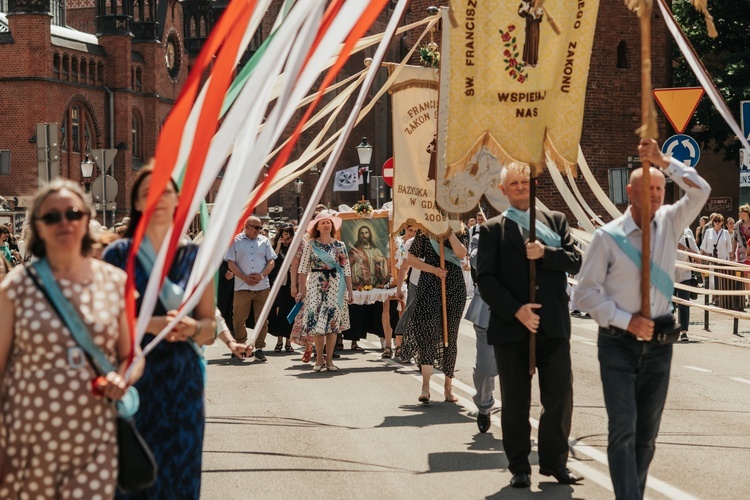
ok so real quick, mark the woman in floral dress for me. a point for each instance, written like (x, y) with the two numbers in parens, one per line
(324, 272)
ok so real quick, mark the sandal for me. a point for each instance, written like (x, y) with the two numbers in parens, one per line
(289, 348)
(306, 356)
(355, 347)
(278, 347)
(387, 353)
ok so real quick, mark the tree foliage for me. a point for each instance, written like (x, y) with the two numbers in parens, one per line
(727, 59)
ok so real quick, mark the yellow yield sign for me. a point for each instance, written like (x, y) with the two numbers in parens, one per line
(679, 104)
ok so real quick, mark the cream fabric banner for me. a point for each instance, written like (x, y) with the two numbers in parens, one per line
(513, 85)
(414, 97)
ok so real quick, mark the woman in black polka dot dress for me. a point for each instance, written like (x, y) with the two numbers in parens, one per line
(423, 333)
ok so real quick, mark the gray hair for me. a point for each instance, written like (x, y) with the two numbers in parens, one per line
(515, 167)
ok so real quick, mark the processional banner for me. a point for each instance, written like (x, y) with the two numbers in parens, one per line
(512, 88)
(414, 99)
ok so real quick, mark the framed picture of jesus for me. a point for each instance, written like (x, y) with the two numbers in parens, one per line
(370, 251)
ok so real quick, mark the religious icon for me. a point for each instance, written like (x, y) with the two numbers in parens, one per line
(533, 16)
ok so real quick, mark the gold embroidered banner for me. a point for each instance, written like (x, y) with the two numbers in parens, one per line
(414, 97)
(513, 85)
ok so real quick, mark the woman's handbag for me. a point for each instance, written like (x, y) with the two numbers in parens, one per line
(137, 466)
(693, 283)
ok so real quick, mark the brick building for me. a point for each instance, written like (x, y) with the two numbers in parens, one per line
(104, 74)
(108, 72)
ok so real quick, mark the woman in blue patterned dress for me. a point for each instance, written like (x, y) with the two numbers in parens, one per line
(325, 285)
(171, 417)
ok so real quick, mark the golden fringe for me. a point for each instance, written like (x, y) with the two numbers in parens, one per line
(412, 84)
(562, 164)
(413, 222)
(702, 7)
(485, 140)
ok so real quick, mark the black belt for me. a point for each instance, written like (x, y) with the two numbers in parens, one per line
(665, 331)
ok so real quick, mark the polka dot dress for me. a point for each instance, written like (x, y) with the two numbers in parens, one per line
(59, 438)
(423, 332)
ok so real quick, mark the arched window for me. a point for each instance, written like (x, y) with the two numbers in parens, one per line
(74, 69)
(100, 73)
(56, 65)
(65, 67)
(92, 72)
(622, 55)
(202, 30)
(84, 71)
(63, 132)
(138, 79)
(77, 130)
(136, 136)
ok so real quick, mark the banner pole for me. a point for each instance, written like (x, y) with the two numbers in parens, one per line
(646, 130)
(443, 294)
(532, 268)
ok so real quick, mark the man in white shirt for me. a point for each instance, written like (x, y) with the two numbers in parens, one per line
(250, 258)
(634, 357)
(475, 228)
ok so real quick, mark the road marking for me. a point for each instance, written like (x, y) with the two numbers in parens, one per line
(697, 368)
(743, 380)
(588, 342)
(653, 483)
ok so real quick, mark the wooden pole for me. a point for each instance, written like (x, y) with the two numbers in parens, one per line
(532, 270)
(646, 106)
(443, 294)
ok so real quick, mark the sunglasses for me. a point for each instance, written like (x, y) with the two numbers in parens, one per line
(257, 228)
(55, 217)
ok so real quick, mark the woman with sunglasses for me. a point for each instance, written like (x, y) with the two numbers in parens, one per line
(284, 302)
(171, 418)
(716, 243)
(58, 438)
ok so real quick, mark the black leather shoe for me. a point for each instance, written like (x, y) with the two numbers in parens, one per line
(483, 422)
(521, 480)
(563, 475)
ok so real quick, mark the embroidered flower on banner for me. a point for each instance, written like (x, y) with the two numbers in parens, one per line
(513, 65)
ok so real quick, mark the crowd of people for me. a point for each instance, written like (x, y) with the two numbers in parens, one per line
(66, 250)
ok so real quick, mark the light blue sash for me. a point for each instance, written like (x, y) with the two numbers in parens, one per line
(128, 405)
(326, 259)
(170, 294)
(547, 235)
(450, 255)
(659, 278)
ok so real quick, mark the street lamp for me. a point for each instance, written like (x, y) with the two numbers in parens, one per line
(364, 152)
(298, 193)
(87, 170)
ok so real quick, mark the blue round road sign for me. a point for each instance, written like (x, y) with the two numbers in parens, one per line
(683, 148)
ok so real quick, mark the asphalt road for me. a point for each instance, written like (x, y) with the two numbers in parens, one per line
(279, 430)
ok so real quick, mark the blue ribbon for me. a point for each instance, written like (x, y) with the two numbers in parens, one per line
(659, 277)
(326, 258)
(170, 294)
(450, 255)
(128, 405)
(547, 235)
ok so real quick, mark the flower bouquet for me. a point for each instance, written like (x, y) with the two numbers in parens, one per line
(363, 208)
(429, 55)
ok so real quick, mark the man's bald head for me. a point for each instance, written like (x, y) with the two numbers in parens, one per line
(656, 193)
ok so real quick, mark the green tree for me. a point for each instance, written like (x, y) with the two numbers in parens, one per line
(727, 59)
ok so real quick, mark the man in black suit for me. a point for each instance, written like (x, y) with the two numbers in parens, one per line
(503, 279)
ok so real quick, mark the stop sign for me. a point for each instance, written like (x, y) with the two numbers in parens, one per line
(388, 172)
